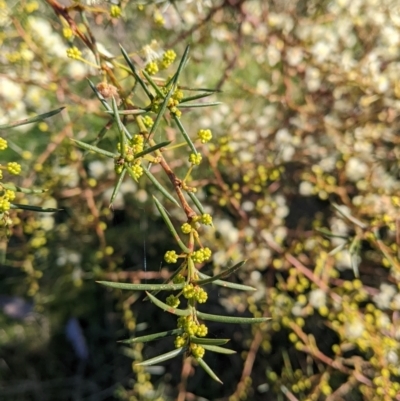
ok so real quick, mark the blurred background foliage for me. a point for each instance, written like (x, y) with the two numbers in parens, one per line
(302, 179)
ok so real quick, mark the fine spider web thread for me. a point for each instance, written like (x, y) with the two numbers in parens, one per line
(143, 231)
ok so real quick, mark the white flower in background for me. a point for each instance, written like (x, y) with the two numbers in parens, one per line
(390, 36)
(283, 136)
(263, 258)
(321, 51)
(395, 304)
(317, 298)
(263, 87)
(10, 91)
(356, 169)
(306, 188)
(245, 156)
(151, 52)
(381, 83)
(98, 168)
(287, 153)
(383, 298)
(313, 79)
(69, 176)
(273, 55)
(328, 163)
(343, 260)
(392, 357)
(354, 329)
(45, 34)
(294, 56)
(228, 231)
(68, 256)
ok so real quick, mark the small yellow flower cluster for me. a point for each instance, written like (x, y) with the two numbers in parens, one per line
(31, 7)
(168, 58)
(158, 18)
(155, 65)
(68, 33)
(74, 53)
(178, 279)
(13, 168)
(195, 292)
(201, 255)
(197, 350)
(180, 341)
(137, 171)
(5, 197)
(191, 327)
(173, 301)
(206, 219)
(170, 257)
(148, 121)
(3, 144)
(151, 68)
(205, 135)
(135, 146)
(4, 204)
(186, 228)
(195, 159)
(115, 11)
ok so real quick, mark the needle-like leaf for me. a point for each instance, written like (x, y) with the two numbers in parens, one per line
(209, 341)
(167, 221)
(167, 308)
(152, 337)
(163, 357)
(220, 350)
(232, 319)
(208, 370)
(227, 284)
(160, 187)
(135, 74)
(16, 188)
(224, 273)
(117, 186)
(142, 287)
(30, 120)
(94, 149)
(152, 149)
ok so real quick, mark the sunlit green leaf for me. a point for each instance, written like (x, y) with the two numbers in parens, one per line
(184, 134)
(209, 341)
(153, 84)
(95, 149)
(163, 357)
(142, 287)
(220, 350)
(100, 96)
(207, 369)
(152, 148)
(224, 273)
(194, 199)
(227, 284)
(135, 74)
(16, 188)
(167, 308)
(198, 105)
(232, 319)
(117, 186)
(165, 217)
(160, 187)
